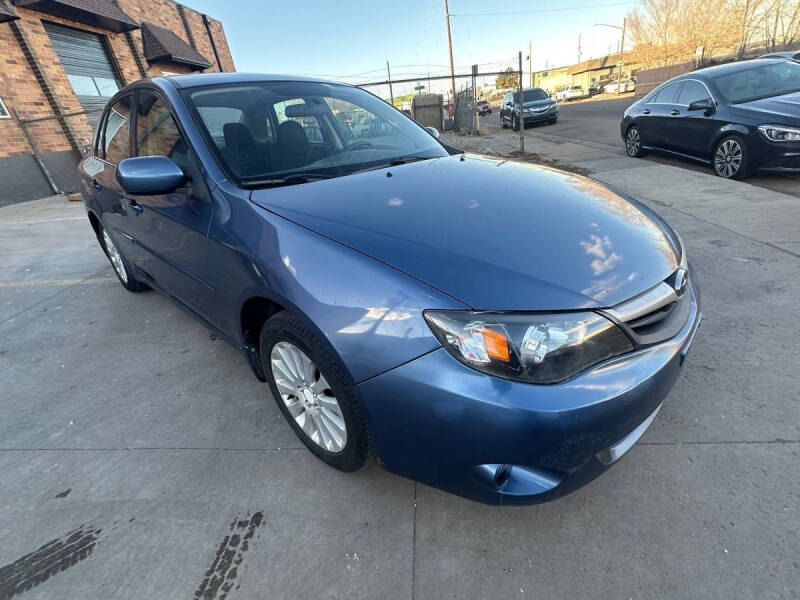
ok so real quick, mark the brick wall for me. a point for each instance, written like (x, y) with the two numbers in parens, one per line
(21, 90)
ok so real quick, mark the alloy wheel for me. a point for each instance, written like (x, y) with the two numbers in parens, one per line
(308, 397)
(728, 158)
(115, 257)
(633, 142)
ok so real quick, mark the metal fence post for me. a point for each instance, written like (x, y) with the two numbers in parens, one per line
(35, 151)
(521, 119)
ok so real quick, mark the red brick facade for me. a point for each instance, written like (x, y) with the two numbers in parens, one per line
(22, 88)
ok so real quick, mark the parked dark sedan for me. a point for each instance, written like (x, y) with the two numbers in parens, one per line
(537, 107)
(739, 118)
(496, 329)
(483, 107)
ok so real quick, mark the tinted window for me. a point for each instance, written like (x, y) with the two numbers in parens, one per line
(692, 91)
(763, 81)
(666, 95)
(156, 131)
(116, 132)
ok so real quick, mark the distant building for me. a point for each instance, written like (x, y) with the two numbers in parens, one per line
(63, 59)
(601, 70)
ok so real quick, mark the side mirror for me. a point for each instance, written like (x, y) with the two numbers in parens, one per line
(706, 104)
(149, 175)
(433, 131)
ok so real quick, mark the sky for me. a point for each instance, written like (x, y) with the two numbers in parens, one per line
(351, 40)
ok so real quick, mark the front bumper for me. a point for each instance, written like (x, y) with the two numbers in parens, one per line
(773, 156)
(439, 422)
(538, 117)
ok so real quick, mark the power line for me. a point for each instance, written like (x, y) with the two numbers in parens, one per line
(541, 10)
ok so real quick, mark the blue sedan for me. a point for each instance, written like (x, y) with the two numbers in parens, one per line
(502, 331)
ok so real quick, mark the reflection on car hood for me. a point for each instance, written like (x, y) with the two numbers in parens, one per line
(495, 234)
(786, 108)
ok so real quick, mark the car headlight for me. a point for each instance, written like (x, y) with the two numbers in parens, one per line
(780, 133)
(535, 348)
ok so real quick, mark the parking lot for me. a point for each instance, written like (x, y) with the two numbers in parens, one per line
(596, 122)
(141, 458)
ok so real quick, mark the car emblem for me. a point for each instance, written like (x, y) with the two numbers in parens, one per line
(681, 281)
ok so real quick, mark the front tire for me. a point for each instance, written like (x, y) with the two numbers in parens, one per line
(633, 143)
(515, 123)
(730, 159)
(120, 265)
(313, 394)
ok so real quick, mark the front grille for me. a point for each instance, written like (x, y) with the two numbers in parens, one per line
(655, 315)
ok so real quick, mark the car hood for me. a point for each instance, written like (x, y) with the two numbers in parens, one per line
(497, 235)
(785, 109)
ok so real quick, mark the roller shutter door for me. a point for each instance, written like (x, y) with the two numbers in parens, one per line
(88, 66)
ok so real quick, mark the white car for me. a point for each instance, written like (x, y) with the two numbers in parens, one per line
(570, 92)
(626, 85)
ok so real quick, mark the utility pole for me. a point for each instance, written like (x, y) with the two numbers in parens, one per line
(450, 46)
(621, 50)
(530, 62)
(521, 119)
(579, 47)
(389, 76)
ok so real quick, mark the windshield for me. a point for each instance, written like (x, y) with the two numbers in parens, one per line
(273, 130)
(763, 81)
(531, 95)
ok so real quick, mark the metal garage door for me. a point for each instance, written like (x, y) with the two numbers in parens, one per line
(88, 65)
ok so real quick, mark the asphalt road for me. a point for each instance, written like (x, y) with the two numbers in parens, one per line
(597, 121)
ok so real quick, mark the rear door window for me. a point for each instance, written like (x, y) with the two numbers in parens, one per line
(666, 95)
(692, 91)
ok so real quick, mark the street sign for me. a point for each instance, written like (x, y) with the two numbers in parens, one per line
(621, 63)
(419, 87)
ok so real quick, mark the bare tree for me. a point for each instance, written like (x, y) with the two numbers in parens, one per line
(666, 32)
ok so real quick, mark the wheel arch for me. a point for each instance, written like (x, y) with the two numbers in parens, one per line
(257, 307)
(94, 220)
(728, 130)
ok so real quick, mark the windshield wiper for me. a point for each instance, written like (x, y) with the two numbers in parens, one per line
(400, 160)
(288, 180)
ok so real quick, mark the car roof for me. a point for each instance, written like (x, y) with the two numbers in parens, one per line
(795, 54)
(732, 67)
(190, 81)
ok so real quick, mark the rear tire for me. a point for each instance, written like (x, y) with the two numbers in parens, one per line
(313, 394)
(730, 159)
(121, 266)
(633, 143)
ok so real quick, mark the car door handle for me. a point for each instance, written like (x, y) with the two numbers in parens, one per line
(675, 113)
(137, 208)
(646, 111)
(96, 185)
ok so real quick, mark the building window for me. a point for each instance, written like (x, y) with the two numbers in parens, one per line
(4, 114)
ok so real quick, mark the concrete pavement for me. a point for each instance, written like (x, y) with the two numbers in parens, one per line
(141, 459)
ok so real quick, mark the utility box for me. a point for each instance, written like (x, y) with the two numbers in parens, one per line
(426, 109)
